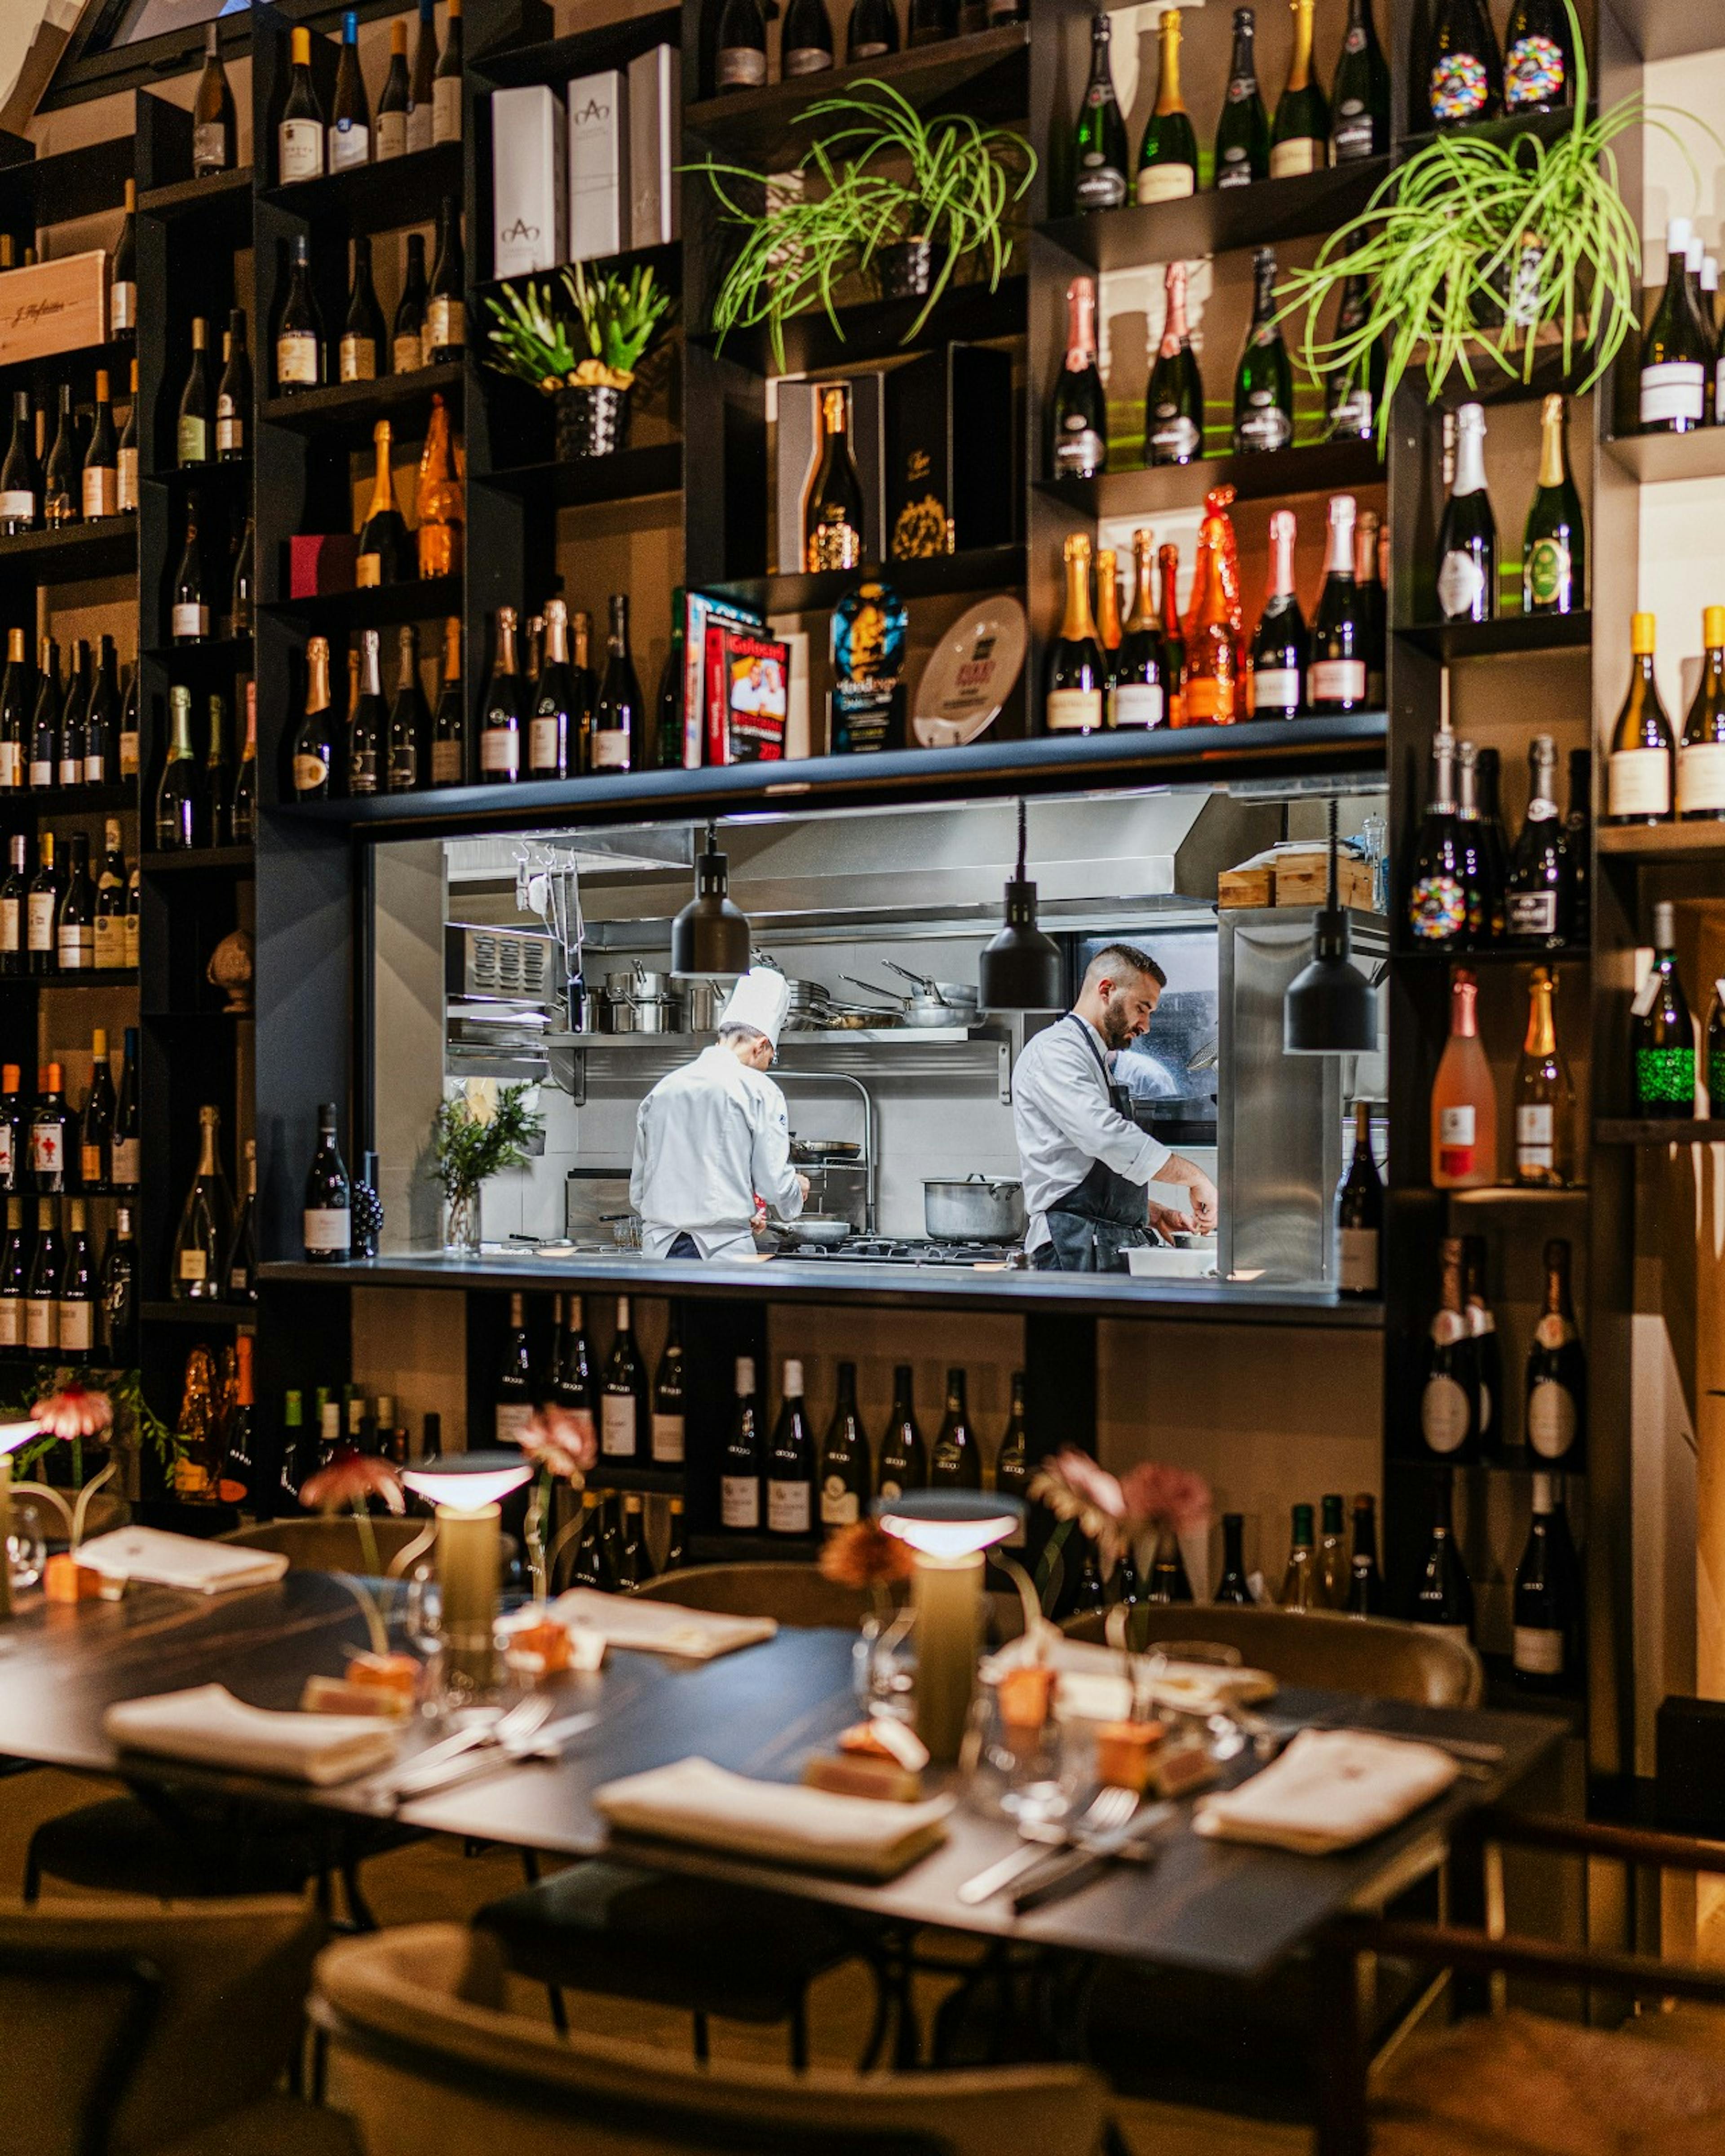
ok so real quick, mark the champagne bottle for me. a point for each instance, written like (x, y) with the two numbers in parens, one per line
(1359, 97)
(206, 1222)
(451, 761)
(1243, 131)
(188, 611)
(421, 93)
(622, 1392)
(554, 714)
(1079, 427)
(313, 751)
(1279, 646)
(1701, 753)
(805, 45)
(1449, 1405)
(1442, 1596)
(123, 269)
(446, 84)
(61, 488)
(1108, 619)
(1168, 155)
(176, 794)
(21, 475)
(1299, 136)
(1374, 628)
(299, 135)
(299, 332)
(932, 22)
(1662, 1030)
(1483, 858)
(1174, 638)
(1354, 391)
(1546, 1644)
(1264, 382)
(1013, 1464)
(1467, 536)
(385, 554)
(445, 316)
(904, 1457)
(1173, 402)
(409, 721)
(349, 141)
(1464, 1100)
(441, 512)
(742, 63)
(845, 1481)
(1674, 350)
(100, 477)
(668, 727)
(618, 735)
(1554, 1417)
(1487, 1349)
(833, 520)
(215, 133)
(407, 335)
(955, 1460)
(1212, 693)
(1539, 896)
(1136, 696)
(1640, 768)
(1099, 145)
(1464, 74)
(1076, 682)
(125, 476)
(1231, 1584)
(872, 32)
(392, 102)
(1554, 548)
(790, 1462)
(367, 722)
(359, 353)
(1545, 1100)
(1359, 1214)
(500, 721)
(1338, 681)
(740, 1463)
(1538, 58)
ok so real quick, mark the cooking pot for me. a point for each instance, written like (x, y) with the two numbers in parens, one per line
(979, 1210)
(702, 1003)
(616, 1014)
(655, 1014)
(829, 1229)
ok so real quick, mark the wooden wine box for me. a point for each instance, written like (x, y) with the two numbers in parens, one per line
(53, 306)
(1296, 876)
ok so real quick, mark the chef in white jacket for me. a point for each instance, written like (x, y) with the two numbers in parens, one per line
(712, 1140)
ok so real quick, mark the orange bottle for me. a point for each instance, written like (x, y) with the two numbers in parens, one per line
(1464, 1101)
(1215, 687)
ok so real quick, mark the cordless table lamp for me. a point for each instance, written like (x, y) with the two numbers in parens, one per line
(468, 1489)
(949, 1530)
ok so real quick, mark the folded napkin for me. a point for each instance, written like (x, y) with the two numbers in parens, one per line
(1093, 1686)
(696, 1801)
(661, 1628)
(164, 1560)
(208, 1725)
(1330, 1789)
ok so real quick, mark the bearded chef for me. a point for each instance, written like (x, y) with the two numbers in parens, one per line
(712, 1140)
(1090, 1172)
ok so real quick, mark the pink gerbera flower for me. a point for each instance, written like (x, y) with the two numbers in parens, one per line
(351, 1479)
(74, 1412)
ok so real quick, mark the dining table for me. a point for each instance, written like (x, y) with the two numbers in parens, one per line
(1223, 1908)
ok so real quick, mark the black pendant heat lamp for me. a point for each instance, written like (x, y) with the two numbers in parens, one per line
(1021, 967)
(1331, 1007)
(710, 936)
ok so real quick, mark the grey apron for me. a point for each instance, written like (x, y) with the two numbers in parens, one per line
(1091, 1227)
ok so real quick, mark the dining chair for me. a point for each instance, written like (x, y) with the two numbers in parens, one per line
(431, 2063)
(138, 2032)
(329, 1542)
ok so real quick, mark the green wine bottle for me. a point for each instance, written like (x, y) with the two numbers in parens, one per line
(1359, 98)
(1300, 140)
(1554, 550)
(1264, 384)
(1173, 402)
(1243, 131)
(1100, 147)
(1167, 156)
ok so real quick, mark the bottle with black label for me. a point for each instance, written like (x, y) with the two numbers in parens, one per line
(1264, 382)
(1232, 1585)
(1359, 1214)
(512, 1389)
(1443, 1595)
(1546, 1647)
(1449, 1392)
(1079, 425)
(622, 1392)
(240, 1273)
(119, 1292)
(904, 1457)
(1012, 1459)
(741, 1463)
(1243, 130)
(1099, 144)
(329, 1197)
(367, 722)
(1359, 97)
(791, 1461)
(1487, 1347)
(1366, 1594)
(125, 1152)
(1354, 387)
(669, 1397)
(955, 1460)
(845, 1482)
(409, 721)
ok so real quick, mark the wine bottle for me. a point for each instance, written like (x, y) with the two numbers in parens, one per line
(1554, 548)
(1108, 619)
(955, 1460)
(1354, 392)
(177, 793)
(1264, 382)
(805, 45)
(1674, 350)
(742, 59)
(450, 761)
(833, 518)
(1467, 536)
(1174, 638)
(622, 1392)
(932, 22)
(1442, 1596)
(314, 754)
(446, 83)
(194, 434)
(740, 1463)
(1359, 97)
(126, 460)
(1555, 1411)
(119, 1293)
(1211, 691)
(1079, 426)
(41, 903)
(18, 696)
(14, 1270)
(100, 477)
(111, 903)
(1077, 678)
(215, 133)
(1280, 645)
(1231, 1583)
(1373, 615)
(360, 349)
(95, 1127)
(439, 537)
(790, 1462)
(368, 721)
(1136, 697)
(298, 334)
(12, 891)
(669, 728)
(1539, 896)
(42, 1294)
(670, 1398)
(1100, 146)
(74, 919)
(1300, 134)
(385, 554)
(1547, 1643)
(1299, 1578)
(42, 762)
(299, 135)
(328, 1224)
(349, 141)
(1545, 1100)
(1366, 1593)
(1701, 752)
(206, 1222)
(1359, 1214)
(61, 488)
(904, 1458)
(21, 475)
(548, 732)
(133, 906)
(393, 100)
(1538, 58)
(445, 315)
(872, 32)
(407, 336)
(618, 740)
(188, 609)
(1449, 1389)
(1662, 1030)
(1464, 1101)
(68, 750)
(1243, 131)
(1639, 767)
(1339, 679)
(1464, 74)
(409, 721)
(123, 269)
(1173, 402)
(499, 758)
(234, 391)
(1168, 155)
(421, 94)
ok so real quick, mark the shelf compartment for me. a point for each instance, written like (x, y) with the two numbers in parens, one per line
(374, 606)
(1144, 489)
(198, 1313)
(629, 475)
(74, 800)
(402, 191)
(580, 52)
(1660, 1130)
(210, 652)
(68, 184)
(663, 1480)
(207, 860)
(111, 977)
(879, 329)
(1219, 219)
(227, 474)
(1518, 1194)
(1667, 29)
(1651, 458)
(981, 569)
(1702, 840)
(223, 201)
(73, 553)
(353, 408)
(1450, 641)
(985, 74)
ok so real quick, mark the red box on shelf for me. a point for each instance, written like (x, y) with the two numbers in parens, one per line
(747, 695)
(321, 563)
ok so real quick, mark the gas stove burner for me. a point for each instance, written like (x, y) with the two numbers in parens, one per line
(905, 1250)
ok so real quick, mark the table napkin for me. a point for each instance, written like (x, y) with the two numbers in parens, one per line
(205, 1723)
(1093, 1686)
(1330, 1789)
(164, 1560)
(693, 1800)
(661, 1628)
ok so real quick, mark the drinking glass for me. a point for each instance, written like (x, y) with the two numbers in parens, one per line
(27, 1545)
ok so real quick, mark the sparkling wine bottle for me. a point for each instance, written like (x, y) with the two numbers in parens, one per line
(1173, 402)
(1136, 696)
(1553, 546)
(1077, 678)
(1538, 58)
(1280, 645)
(1464, 1100)
(790, 1462)
(843, 1478)
(1662, 1030)
(1264, 382)
(1467, 537)
(1547, 1644)
(1554, 1415)
(1098, 145)
(1212, 691)
(1243, 130)
(206, 1222)
(1443, 1595)
(1359, 97)
(1079, 426)
(955, 1460)
(1545, 1100)
(501, 720)
(1338, 681)
(1359, 1214)
(328, 1221)
(1300, 134)
(741, 1462)
(1464, 73)
(1168, 155)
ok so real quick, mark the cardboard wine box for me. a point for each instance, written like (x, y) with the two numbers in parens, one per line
(949, 461)
(655, 147)
(527, 181)
(798, 452)
(598, 166)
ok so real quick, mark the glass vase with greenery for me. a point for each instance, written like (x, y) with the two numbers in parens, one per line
(472, 1139)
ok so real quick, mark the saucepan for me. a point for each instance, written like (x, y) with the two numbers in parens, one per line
(823, 1152)
(979, 1208)
(949, 1007)
(829, 1229)
(703, 1002)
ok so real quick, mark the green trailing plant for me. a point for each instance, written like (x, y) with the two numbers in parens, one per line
(594, 332)
(883, 176)
(466, 1146)
(1480, 250)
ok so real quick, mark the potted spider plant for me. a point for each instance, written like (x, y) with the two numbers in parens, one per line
(882, 189)
(582, 346)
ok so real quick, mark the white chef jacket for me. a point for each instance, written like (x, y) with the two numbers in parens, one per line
(707, 1137)
(1065, 1123)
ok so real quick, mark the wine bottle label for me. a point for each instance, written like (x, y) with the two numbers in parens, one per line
(617, 1425)
(1550, 574)
(804, 59)
(446, 109)
(1353, 413)
(1264, 425)
(1460, 586)
(101, 490)
(230, 428)
(1443, 1415)
(1638, 782)
(11, 939)
(296, 359)
(890, 1490)
(209, 146)
(77, 947)
(408, 353)
(128, 753)
(12, 775)
(1457, 1138)
(193, 1265)
(838, 1503)
(1719, 393)
(501, 749)
(39, 1314)
(740, 1502)
(132, 943)
(1357, 1260)
(310, 772)
(418, 128)
(1302, 153)
(1531, 913)
(446, 764)
(1532, 73)
(542, 747)
(350, 145)
(75, 1325)
(1551, 1418)
(1338, 682)
(125, 483)
(1535, 1138)
(187, 620)
(392, 135)
(1276, 688)
(1072, 711)
(1351, 132)
(404, 768)
(70, 770)
(1174, 438)
(1138, 704)
(610, 748)
(368, 572)
(788, 1511)
(510, 1421)
(12, 1315)
(1537, 1652)
(668, 1430)
(1459, 87)
(358, 358)
(18, 504)
(41, 773)
(125, 1161)
(122, 305)
(1208, 701)
(110, 942)
(740, 67)
(40, 914)
(445, 323)
(1664, 1077)
(1098, 186)
(1079, 452)
(299, 149)
(1437, 909)
(329, 1229)
(1159, 183)
(362, 771)
(1674, 389)
(1701, 777)
(869, 52)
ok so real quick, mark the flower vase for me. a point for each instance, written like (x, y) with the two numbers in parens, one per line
(592, 420)
(461, 1223)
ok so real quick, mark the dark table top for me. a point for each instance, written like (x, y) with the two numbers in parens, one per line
(1223, 1907)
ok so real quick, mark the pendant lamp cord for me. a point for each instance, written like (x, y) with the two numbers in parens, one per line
(1330, 901)
(1023, 831)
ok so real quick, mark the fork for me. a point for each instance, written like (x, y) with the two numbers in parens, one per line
(1110, 1808)
(522, 1721)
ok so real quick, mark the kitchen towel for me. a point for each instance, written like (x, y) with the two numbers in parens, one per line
(156, 1560)
(659, 1628)
(207, 1724)
(695, 1801)
(1330, 1789)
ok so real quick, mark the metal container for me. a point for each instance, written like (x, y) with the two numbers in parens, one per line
(979, 1210)
(702, 1003)
(656, 1014)
(617, 1014)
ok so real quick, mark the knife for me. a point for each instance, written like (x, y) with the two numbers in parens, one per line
(545, 1744)
(1073, 1868)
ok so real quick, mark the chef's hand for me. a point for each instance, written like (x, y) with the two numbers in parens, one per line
(804, 1185)
(1168, 1221)
(759, 1221)
(1202, 1193)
